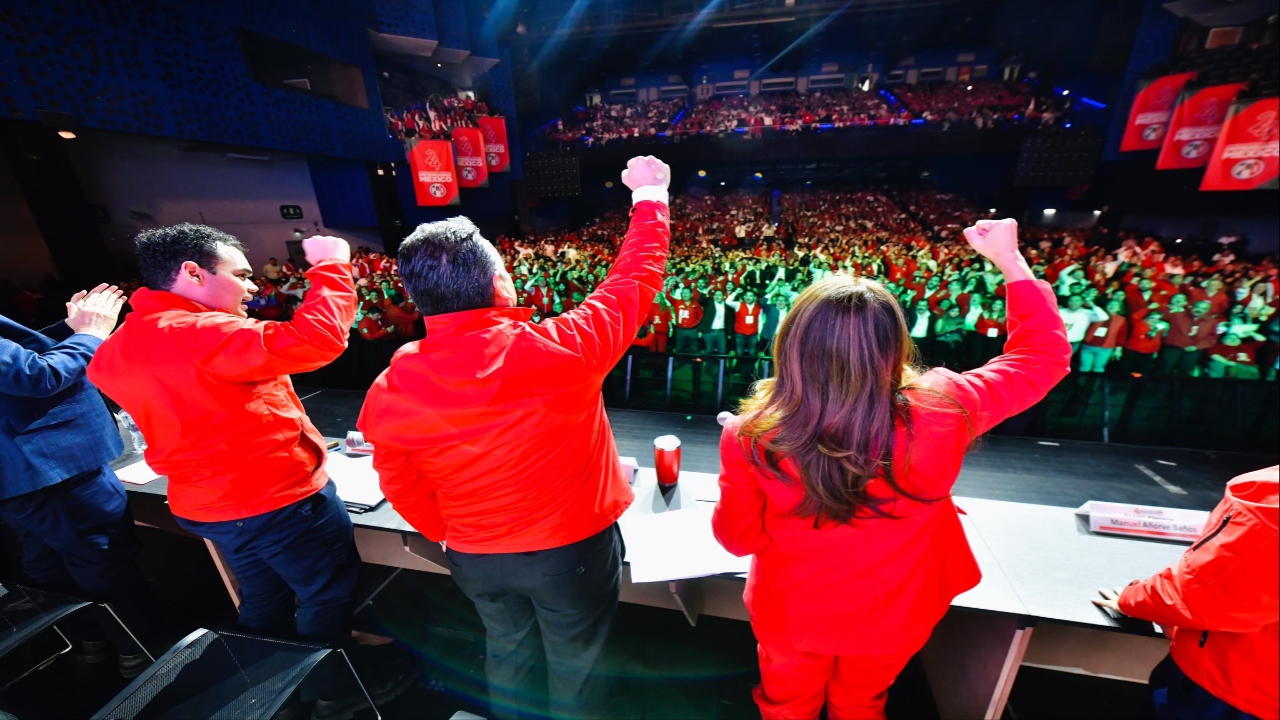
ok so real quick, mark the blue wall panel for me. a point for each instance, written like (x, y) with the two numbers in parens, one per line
(409, 18)
(343, 193)
(176, 69)
(451, 23)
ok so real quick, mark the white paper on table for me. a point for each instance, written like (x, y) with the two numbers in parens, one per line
(675, 545)
(138, 473)
(356, 479)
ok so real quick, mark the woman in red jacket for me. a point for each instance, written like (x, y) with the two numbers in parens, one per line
(837, 477)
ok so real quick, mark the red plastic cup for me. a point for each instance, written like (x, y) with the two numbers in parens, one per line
(666, 460)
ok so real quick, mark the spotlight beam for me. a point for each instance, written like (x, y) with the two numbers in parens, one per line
(805, 37)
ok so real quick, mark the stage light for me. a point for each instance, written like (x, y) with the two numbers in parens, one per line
(721, 182)
(381, 171)
(439, 65)
(66, 135)
(297, 234)
(608, 183)
(1178, 240)
(1097, 212)
(702, 173)
(992, 211)
(759, 176)
(1050, 211)
(1066, 92)
(969, 87)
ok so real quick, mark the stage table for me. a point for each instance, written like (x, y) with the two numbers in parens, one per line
(1040, 568)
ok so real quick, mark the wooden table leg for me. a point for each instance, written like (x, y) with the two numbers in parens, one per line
(228, 578)
(972, 660)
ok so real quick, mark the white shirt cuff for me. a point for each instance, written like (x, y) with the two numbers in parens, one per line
(650, 192)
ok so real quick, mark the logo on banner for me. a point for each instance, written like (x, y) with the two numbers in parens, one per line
(489, 135)
(464, 145)
(1195, 149)
(468, 173)
(1246, 169)
(437, 190)
(1153, 132)
(431, 160)
(492, 158)
(1210, 112)
(1264, 126)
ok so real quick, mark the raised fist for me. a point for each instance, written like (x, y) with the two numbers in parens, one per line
(996, 240)
(325, 247)
(647, 170)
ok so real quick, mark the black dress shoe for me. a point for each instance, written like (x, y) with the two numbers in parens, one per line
(392, 679)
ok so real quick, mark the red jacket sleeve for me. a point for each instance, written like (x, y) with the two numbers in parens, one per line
(408, 491)
(249, 350)
(738, 521)
(601, 329)
(1036, 356)
(1226, 581)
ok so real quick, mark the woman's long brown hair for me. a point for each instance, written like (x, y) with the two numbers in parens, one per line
(844, 357)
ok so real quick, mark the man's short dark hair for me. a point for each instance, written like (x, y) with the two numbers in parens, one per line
(162, 251)
(446, 267)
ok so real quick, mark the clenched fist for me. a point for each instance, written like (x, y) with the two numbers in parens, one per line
(997, 240)
(646, 171)
(326, 247)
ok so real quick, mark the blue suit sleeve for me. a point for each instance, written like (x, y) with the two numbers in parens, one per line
(31, 374)
(58, 331)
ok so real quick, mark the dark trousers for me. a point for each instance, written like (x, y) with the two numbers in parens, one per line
(713, 342)
(1177, 362)
(744, 345)
(550, 605)
(686, 340)
(306, 551)
(1178, 697)
(78, 538)
(1135, 362)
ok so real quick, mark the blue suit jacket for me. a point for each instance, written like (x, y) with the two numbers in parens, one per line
(53, 423)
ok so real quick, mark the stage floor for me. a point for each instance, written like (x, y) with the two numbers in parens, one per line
(1061, 472)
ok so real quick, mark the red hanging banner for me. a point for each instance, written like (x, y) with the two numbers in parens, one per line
(496, 153)
(1247, 155)
(1195, 126)
(434, 178)
(468, 146)
(1152, 108)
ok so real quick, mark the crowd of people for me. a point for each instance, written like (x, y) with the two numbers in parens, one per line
(605, 122)
(434, 118)
(978, 104)
(836, 474)
(735, 269)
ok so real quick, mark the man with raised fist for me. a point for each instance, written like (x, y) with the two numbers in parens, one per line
(491, 436)
(209, 388)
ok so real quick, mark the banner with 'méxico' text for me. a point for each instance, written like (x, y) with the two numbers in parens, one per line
(496, 152)
(434, 179)
(1152, 108)
(1247, 155)
(1195, 126)
(468, 148)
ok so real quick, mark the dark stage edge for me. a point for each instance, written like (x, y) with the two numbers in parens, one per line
(1061, 473)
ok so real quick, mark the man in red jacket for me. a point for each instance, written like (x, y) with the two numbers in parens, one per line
(491, 436)
(1221, 608)
(210, 390)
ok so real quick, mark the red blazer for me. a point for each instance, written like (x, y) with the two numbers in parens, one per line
(211, 393)
(1220, 600)
(884, 583)
(491, 435)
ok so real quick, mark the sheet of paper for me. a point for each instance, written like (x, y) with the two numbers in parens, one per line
(137, 474)
(676, 545)
(356, 479)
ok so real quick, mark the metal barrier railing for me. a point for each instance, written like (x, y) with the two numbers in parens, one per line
(1206, 413)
